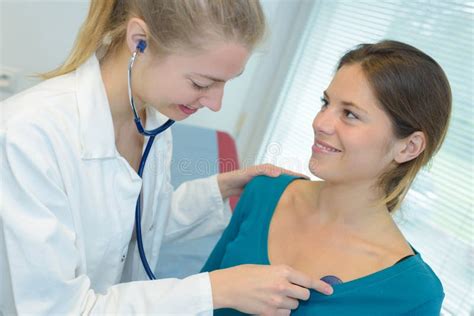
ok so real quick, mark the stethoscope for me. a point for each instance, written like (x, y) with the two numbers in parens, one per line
(151, 133)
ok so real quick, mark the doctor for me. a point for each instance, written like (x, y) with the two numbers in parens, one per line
(70, 155)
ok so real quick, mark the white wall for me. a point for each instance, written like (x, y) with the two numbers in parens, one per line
(37, 35)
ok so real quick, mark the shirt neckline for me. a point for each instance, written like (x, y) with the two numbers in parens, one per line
(345, 287)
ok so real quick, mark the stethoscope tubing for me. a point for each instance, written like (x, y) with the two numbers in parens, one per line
(138, 214)
(151, 134)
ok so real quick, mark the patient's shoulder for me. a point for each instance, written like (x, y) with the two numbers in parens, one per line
(262, 193)
(301, 193)
(264, 189)
(262, 182)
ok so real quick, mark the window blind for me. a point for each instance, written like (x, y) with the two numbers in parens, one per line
(437, 215)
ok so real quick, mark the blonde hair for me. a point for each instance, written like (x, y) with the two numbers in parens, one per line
(173, 25)
(415, 93)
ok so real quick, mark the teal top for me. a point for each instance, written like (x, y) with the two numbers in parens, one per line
(409, 287)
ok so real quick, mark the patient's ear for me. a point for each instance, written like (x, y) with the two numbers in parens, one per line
(410, 147)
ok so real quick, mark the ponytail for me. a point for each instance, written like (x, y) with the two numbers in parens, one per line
(173, 25)
(397, 182)
(90, 38)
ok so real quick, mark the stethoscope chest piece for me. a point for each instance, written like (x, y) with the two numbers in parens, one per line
(331, 279)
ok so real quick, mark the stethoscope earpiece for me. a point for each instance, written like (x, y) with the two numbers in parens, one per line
(141, 46)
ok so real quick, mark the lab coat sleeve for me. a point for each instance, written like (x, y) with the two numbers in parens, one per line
(40, 262)
(214, 262)
(198, 210)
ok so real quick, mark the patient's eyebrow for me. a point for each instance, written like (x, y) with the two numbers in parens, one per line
(347, 103)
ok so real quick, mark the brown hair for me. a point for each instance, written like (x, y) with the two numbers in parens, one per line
(172, 25)
(414, 91)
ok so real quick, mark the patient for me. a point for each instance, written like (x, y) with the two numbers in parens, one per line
(383, 117)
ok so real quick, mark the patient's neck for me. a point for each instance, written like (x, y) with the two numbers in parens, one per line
(349, 205)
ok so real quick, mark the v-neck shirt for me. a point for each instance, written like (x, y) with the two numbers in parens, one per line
(409, 287)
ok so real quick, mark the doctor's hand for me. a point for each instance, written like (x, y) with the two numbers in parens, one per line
(262, 289)
(233, 182)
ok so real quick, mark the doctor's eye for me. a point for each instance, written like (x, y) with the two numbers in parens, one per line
(324, 103)
(199, 87)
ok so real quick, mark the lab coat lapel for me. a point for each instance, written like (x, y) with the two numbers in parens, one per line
(95, 119)
(101, 158)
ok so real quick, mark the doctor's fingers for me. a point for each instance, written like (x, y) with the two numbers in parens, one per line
(275, 171)
(285, 303)
(297, 292)
(307, 282)
(283, 312)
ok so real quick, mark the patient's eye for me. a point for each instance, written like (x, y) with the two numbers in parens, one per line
(350, 115)
(324, 103)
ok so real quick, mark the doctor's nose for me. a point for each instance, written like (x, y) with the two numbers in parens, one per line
(324, 122)
(213, 99)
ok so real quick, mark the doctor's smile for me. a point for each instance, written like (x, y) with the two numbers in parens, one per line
(187, 109)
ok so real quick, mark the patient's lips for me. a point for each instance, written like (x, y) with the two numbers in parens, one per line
(321, 147)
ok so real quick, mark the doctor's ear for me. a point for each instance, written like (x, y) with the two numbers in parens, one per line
(137, 31)
(410, 147)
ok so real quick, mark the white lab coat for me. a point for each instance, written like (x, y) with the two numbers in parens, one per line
(68, 203)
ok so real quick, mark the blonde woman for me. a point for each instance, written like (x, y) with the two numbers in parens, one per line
(74, 177)
(383, 116)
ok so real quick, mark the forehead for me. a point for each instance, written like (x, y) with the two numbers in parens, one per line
(350, 84)
(220, 60)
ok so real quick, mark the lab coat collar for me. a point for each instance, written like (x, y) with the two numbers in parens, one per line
(95, 119)
(96, 125)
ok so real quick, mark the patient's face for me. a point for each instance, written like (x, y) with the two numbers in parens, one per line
(353, 135)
